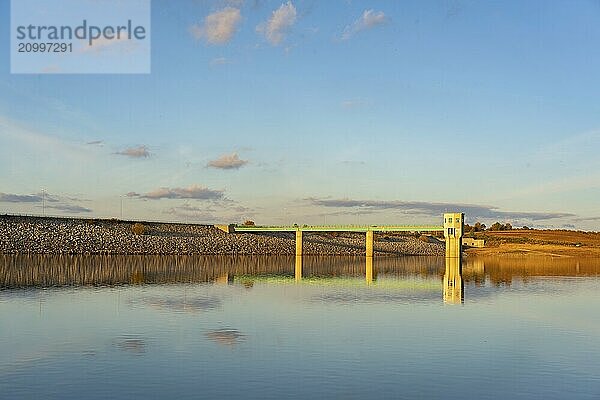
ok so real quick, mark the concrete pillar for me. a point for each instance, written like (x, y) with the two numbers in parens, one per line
(369, 244)
(453, 283)
(453, 232)
(298, 269)
(298, 242)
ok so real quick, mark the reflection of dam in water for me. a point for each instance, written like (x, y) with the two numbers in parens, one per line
(20, 271)
(47, 271)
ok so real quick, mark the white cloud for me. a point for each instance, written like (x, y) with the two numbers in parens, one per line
(120, 44)
(135, 152)
(219, 61)
(54, 202)
(20, 198)
(70, 208)
(219, 27)
(192, 192)
(473, 211)
(228, 161)
(280, 23)
(369, 19)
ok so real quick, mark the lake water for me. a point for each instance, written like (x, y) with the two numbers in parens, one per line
(275, 327)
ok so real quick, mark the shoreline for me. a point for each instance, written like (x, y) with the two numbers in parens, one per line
(62, 235)
(54, 235)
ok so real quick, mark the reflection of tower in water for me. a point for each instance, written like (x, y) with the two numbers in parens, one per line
(453, 283)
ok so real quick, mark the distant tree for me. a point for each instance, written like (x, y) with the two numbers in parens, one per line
(496, 226)
(525, 228)
(479, 227)
(249, 223)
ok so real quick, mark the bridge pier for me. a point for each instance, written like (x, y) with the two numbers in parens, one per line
(298, 242)
(369, 244)
(453, 232)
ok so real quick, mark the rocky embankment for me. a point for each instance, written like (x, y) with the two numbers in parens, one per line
(37, 235)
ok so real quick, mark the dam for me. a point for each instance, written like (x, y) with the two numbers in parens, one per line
(453, 228)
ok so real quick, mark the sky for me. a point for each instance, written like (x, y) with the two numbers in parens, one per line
(321, 112)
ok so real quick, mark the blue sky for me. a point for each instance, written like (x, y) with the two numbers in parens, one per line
(321, 112)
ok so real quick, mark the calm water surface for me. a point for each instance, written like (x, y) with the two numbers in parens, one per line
(276, 327)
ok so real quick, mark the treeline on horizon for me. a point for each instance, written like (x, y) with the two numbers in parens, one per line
(496, 226)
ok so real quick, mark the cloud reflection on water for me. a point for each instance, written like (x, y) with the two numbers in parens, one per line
(131, 344)
(225, 337)
(179, 303)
